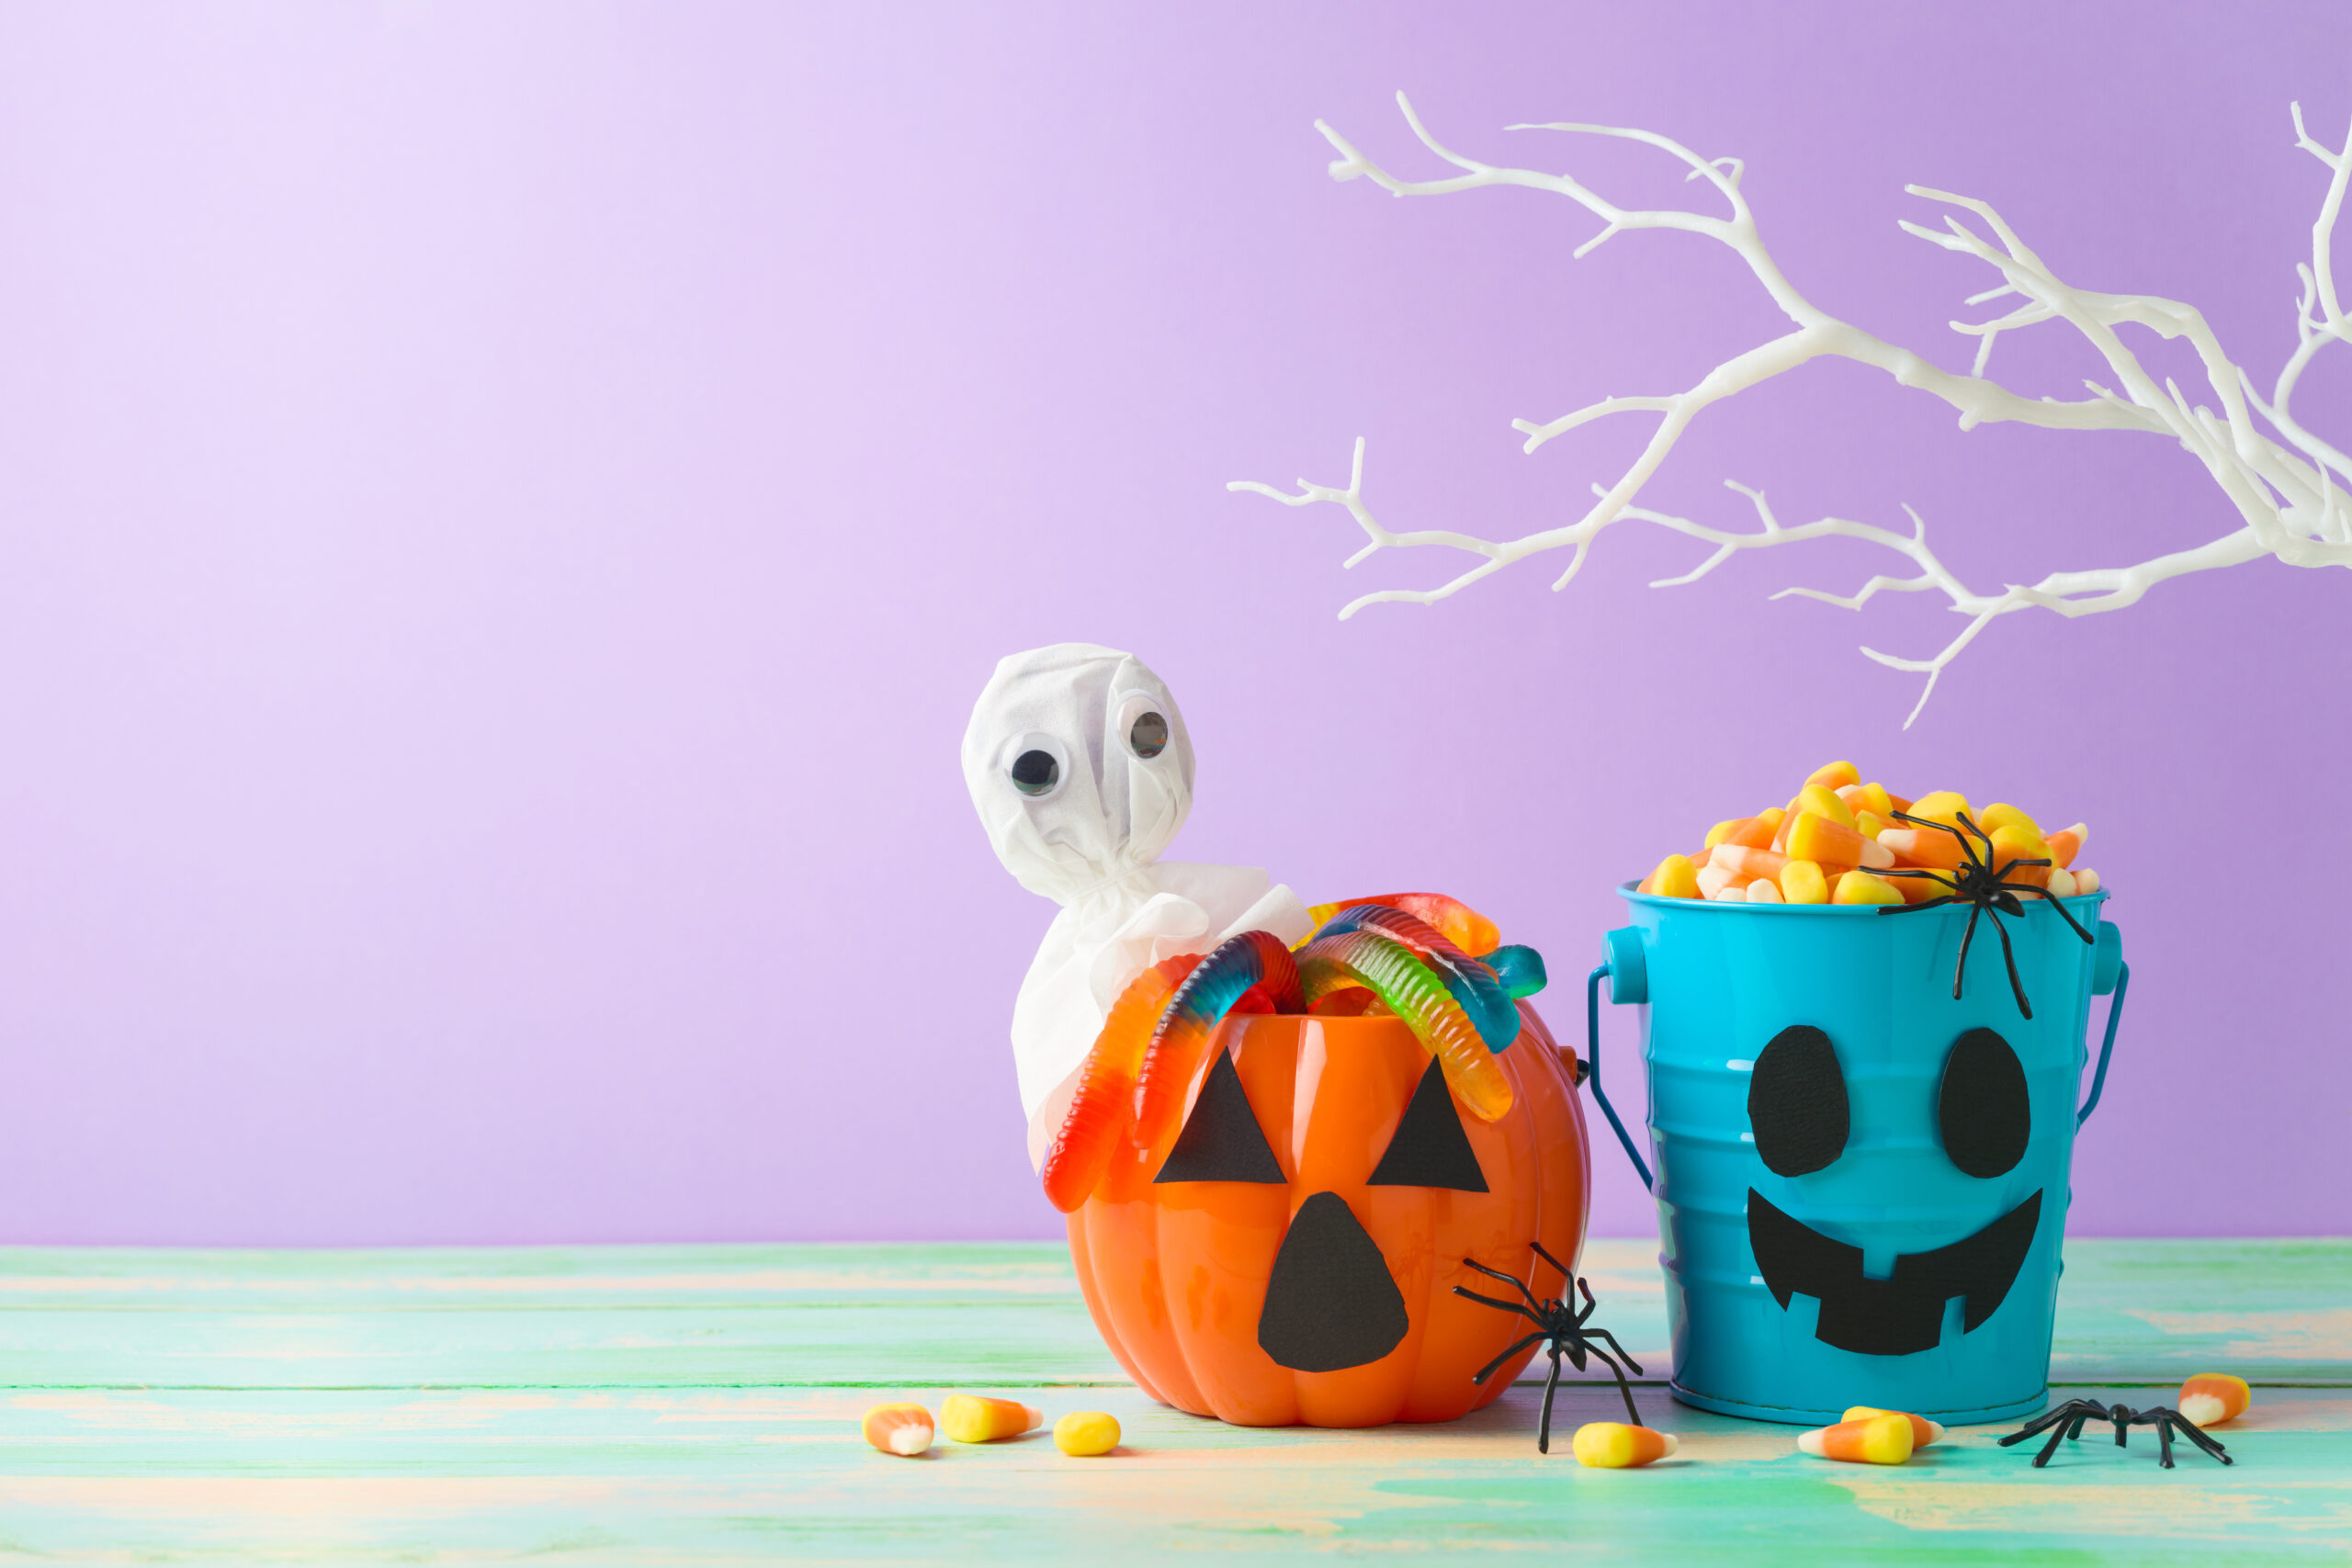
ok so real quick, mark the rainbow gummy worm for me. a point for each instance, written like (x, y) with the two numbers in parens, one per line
(1456, 921)
(1372, 958)
(1474, 987)
(1106, 1099)
(1180, 1038)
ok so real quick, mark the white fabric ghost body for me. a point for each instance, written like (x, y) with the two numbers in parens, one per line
(1079, 791)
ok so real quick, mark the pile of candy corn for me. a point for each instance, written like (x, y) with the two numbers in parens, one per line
(1828, 844)
(907, 1430)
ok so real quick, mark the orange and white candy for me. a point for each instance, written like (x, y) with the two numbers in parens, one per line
(901, 1429)
(1612, 1444)
(2210, 1398)
(1923, 1431)
(1874, 1439)
(969, 1418)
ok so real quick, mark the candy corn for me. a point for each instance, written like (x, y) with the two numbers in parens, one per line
(1083, 1434)
(2210, 1398)
(1817, 838)
(1838, 833)
(901, 1429)
(1675, 877)
(1923, 1431)
(1612, 1444)
(1874, 1439)
(1862, 887)
(1801, 883)
(968, 1418)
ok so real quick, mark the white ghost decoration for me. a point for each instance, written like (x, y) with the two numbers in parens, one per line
(1078, 760)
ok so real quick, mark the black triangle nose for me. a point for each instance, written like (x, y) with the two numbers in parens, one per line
(1331, 1303)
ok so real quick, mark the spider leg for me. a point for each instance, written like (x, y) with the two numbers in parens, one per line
(1624, 1389)
(1551, 1385)
(1604, 1334)
(1959, 965)
(2164, 1442)
(1923, 904)
(2048, 1418)
(2121, 1416)
(2009, 957)
(2059, 905)
(1488, 1369)
(1561, 1267)
(2196, 1434)
(2056, 1433)
(1499, 1306)
(1512, 1280)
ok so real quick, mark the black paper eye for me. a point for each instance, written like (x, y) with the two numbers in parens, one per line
(1035, 773)
(1430, 1148)
(1983, 1106)
(1796, 1103)
(1150, 736)
(1221, 1140)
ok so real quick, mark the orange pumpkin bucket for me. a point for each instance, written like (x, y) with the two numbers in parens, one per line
(1285, 1255)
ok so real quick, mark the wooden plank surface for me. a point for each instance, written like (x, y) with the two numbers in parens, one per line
(697, 1405)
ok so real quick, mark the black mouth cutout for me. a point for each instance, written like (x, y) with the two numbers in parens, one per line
(1902, 1315)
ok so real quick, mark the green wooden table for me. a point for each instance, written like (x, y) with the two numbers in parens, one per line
(666, 1405)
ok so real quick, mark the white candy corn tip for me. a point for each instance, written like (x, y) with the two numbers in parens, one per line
(911, 1440)
(1815, 1443)
(2203, 1409)
(1671, 1443)
(1935, 1431)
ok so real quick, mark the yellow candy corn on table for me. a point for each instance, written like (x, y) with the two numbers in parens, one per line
(701, 1405)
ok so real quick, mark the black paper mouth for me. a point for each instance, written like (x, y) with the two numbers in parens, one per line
(1331, 1303)
(1905, 1314)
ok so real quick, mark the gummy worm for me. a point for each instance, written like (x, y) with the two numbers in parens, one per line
(1474, 985)
(1520, 969)
(1200, 1004)
(1106, 1099)
(1456, 921)
(1375, 959)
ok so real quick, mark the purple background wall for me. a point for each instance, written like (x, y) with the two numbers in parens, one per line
(504, 512)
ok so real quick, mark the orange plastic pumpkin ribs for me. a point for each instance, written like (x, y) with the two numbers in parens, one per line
(1106, 1099)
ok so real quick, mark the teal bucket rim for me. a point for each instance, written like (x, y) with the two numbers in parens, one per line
(1631, 892)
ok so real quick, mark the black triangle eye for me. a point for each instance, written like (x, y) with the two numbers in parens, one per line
(1430, 1148)
(1796, 1103)
(1982, 1108)
(1221, 1140)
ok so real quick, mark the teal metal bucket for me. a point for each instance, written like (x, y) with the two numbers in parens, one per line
(1861, 1183)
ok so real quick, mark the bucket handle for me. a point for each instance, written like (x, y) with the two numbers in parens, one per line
(1625, 974)
(2109, 976)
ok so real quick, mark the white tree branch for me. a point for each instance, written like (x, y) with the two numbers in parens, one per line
(2287, 486)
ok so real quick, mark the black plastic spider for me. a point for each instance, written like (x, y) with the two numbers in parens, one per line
(1985, 891)
(2067, 1420)
(1565, 1327)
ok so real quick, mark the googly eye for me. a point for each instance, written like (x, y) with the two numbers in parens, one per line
(1139, 721)
(1148, 736)
(1035, 773)
(1035, 765)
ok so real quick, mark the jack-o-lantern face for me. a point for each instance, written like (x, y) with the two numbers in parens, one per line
(1799, 1114)
(1289, 1255)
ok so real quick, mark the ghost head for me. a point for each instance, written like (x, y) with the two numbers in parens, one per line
(1080, 768)
(1078, 761)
